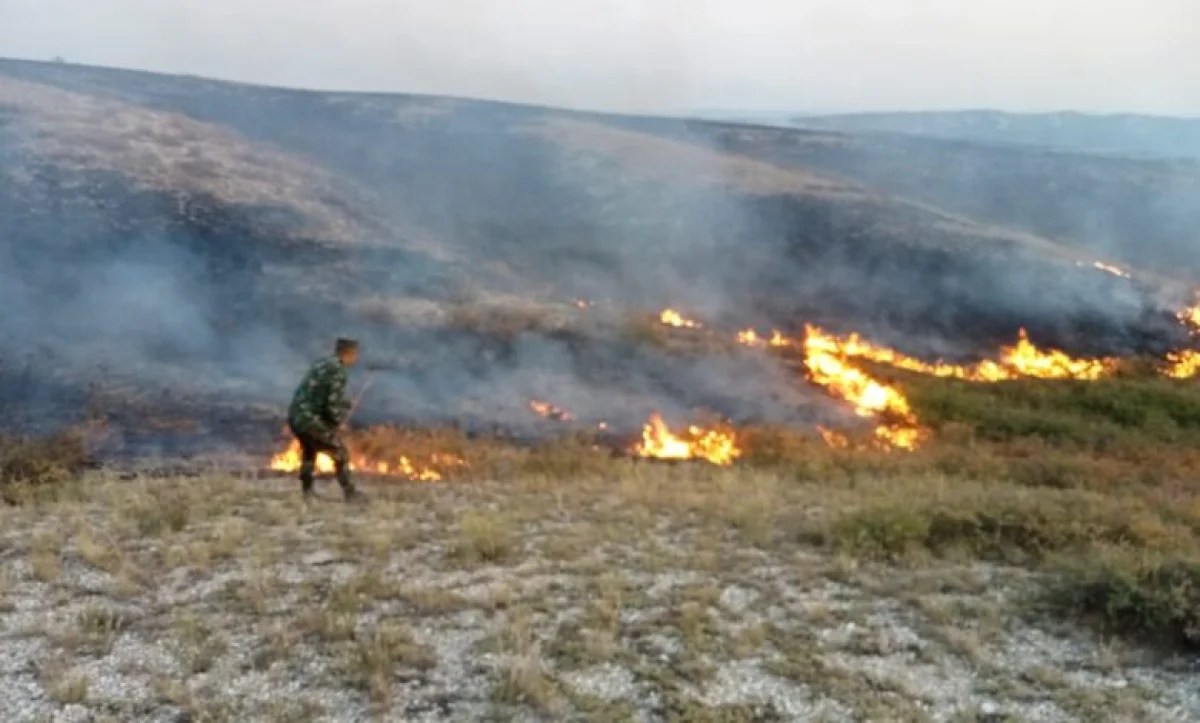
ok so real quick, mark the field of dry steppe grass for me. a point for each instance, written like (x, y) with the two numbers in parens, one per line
(1037, 561)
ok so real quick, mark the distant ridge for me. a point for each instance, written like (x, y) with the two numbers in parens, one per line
(1116, 133)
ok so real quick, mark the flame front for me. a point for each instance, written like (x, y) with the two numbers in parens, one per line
(826, 355)
(1022, 360)
(659, 442)
(827, 362)
(670, 317)
(1183, 364)
(824, 359)
(1026, 360)
(1189, 316)
(289, 461)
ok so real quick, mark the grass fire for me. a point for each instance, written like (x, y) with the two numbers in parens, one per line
(395, 465)
(657, 419)
(710, 445)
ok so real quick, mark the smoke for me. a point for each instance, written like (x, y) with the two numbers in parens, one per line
(144, 310)
(670, 55)
(617, 385)
(167, 289)
(994, 219)
(475, 226)
(1122, 210)
(103, 288)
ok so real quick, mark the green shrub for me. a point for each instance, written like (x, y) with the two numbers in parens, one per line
(1143, 595)
(1001, 522)
(1097, 416)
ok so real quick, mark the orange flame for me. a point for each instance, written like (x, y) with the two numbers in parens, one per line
(549, 411)
(659, 442)
(289, 461)
(1186, 364)
(1189, 316)
(823, 358)
(750, 337)
(1022, 360)
(1026, 360)
(1183, 364)
(670, 317)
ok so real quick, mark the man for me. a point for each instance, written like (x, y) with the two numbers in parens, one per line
(318, 410)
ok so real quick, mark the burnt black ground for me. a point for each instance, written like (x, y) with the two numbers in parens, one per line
(129, 253)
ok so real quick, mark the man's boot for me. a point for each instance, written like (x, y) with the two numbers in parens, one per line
(351, 493)
(306, 481)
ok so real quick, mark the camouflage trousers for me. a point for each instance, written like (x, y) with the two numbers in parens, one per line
(315, 438)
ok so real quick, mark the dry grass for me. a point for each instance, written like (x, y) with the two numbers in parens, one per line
(1035, 474)
(158, 149)
(370, 662)
(524, 682)
(507, 317)
(559, 579)
(484, 538)
(64, 686)
(29, 465)
(648, 331)
(659, 157)
(645, 156)
(675, 579)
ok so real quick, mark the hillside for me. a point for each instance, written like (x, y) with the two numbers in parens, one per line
(1134, 211)
(1118, 134)
(585, 505)
(206, 239)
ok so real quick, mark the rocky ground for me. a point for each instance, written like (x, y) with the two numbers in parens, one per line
(657, 593)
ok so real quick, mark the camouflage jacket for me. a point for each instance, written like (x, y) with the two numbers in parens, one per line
(321, 396)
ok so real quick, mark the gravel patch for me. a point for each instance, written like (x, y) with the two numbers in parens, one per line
(310, 618)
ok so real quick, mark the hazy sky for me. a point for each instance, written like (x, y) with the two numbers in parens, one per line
(656, 55)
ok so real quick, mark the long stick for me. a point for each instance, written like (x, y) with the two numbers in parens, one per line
(359, 398)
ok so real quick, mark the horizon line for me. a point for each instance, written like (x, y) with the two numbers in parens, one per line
(699, 112)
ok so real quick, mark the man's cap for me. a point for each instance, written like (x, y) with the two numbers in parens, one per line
(344, 344)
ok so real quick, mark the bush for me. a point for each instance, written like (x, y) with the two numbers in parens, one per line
(36, 462)
(1107, 415)
(1142, 595)
(1002, 523)
(570, 458)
